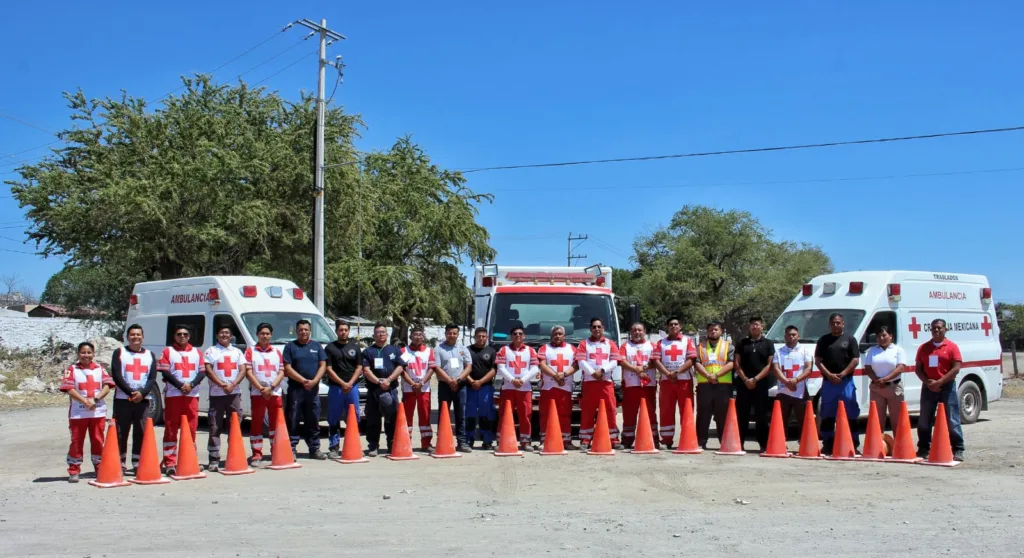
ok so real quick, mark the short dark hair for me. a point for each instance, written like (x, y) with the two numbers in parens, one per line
(835, 315)
(339, 323)
(790, 328)
(303, 321)
(479, 330)
(180, 327)
(884, 329)
(515, 329)
(596, 319)
(416, 329)
(675, 318)
(714, 324)
(222, 327)
(133, 327)
(937, 320)
(755, 319)
(450, 327)
(85, 344)
(641, 324)
(263, 326)
(379, 325)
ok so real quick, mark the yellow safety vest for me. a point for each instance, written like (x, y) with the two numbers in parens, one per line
(721, 358)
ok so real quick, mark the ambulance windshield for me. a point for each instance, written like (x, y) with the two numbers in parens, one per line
(284, 326)
(812, 324)
(537, 313)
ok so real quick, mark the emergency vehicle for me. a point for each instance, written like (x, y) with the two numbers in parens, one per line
(539, 298)
(205, 303)
(907, 302)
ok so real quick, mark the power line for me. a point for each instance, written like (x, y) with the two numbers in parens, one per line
(25, 123)
(305, 56)
(751, 150)
(610, 248)
(17, 251)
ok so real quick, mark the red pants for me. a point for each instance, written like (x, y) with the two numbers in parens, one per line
(260, 408)
(673, 396)
(79, 428)
(563, 406)
(419, 402)
(631, 397)
(593, 393)
(174, 408)
(522, 405)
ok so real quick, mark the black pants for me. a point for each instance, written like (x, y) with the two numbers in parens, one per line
(130, 416)
(790, 406)
(304, 417)
(758, 400)
(381, 406)
(457, 400)
(712, 402)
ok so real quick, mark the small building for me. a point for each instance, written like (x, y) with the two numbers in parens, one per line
(47, 311)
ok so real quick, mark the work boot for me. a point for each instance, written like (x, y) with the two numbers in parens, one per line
(333, 454)
(618, 447)
(958, 456)
(525, 447)
(213, 467)
(317, 454)
(569, 446)
(922, 454)
(464, 448)
(487, 446)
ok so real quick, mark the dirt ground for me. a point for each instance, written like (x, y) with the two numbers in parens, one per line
(481, 505)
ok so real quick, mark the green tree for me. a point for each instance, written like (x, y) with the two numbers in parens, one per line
(710, 264)
(1011, 324)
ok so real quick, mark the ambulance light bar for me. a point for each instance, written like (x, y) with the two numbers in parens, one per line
(807, 290)
(248, 291)
(275, 292)
(856, 287)
(134, 300)
(986, 294)
(894, 292)
(213, 295)
(828, 288)
(297, 294)
(552, 278)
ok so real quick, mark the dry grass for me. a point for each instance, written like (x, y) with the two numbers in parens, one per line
(1013, 388)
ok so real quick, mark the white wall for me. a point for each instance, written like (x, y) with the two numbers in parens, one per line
(33, 333)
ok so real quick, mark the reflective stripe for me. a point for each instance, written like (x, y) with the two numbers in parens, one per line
(721, 357)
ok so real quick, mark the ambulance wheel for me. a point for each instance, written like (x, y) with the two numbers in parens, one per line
(156, 410)
(970, 402)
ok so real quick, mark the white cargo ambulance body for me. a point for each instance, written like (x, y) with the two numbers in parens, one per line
(204, 303)
(907, 302)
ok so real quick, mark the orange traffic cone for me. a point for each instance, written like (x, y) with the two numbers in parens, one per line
(731, 442)
(644, 443)
(109, 475)
(903, 450)
(188, 461)
(148, 471)
(553, 444)
(401, 447)
(842, 441)
(874, 446)
(777, 435)
(688, 438)
(445, 441)
(508, 446)
(810, 448)
(281, 456)
(352, 448)
(601, 444)
(941, 454)
(236, 463)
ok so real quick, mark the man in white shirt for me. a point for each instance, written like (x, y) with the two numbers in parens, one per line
(792, 368)
(225, 367)
(884, 364)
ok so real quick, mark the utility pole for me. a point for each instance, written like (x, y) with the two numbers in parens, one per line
(569, 257)
(318, 185)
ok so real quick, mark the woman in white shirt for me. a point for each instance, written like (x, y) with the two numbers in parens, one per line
(884, 364)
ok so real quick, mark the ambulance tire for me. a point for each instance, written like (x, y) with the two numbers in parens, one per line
(970, 402)
(156, 409)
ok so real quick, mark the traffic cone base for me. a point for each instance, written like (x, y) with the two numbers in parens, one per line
(508, 446)
(445, 448)
(731, 442)
(601, 443)
(688, 438)
(777, 436)
(874, 446)
(108, 474)
(236, 464)
(644, 442)
(941, 454)
(148, 471)
(809, 446)
(281, 456)
(401, 446)
(188, 461)
(553, 443)
(352, 447)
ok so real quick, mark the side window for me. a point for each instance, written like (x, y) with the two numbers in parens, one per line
(226, 319)
(195, 322)
(885, 318)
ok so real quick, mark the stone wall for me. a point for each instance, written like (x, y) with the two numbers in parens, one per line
(35, 333)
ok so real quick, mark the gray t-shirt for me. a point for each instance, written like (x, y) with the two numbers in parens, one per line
(447, 355)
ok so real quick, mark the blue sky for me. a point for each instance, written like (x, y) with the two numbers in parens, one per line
(478, 84)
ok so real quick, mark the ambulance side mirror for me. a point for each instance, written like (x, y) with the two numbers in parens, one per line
(865, 346)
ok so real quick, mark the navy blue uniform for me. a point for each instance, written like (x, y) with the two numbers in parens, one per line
(381, 404)
(304, 405)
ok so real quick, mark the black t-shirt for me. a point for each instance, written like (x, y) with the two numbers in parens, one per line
(836, 351)
(343, 359)
(754, 356)
(483, 361)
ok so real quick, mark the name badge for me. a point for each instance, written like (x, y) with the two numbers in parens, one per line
(454, 364)
(713, 357)
(378, 363)
(933, 361)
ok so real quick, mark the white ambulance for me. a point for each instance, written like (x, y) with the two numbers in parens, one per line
(205, 303)
(907, 302)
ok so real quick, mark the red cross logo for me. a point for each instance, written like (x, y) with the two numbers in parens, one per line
(560, 363)
(136, 369)
(599, 356)
(226, 367)
(986, 325)
(185, 367)
(518, 365)
(266, 367)
(791, 372)
(417, 366)
(89, 386)
(640, 359)
(673, 352)
(915, 327)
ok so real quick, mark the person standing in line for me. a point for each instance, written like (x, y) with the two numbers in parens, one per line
(556, 361)
(884, 364)
(637, 384)
(754, 356)
(480, 394)
(454, 365)
(420, 363)
(597, 357)
(837, 355)
(343, 372)
(792, 367)
(133, 369)
(305, 363)
(714, 366)
(673, 357)
(225, 367)
(183, 369)
(264, 368)
(937, 365)
(518, 365)
(382, 366)
(87, 385)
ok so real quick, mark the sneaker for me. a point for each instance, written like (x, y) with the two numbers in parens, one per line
(464, 449)
(668, 447)
(371, 453)
(584, 447)
(255, 463)
(318, 455)
(922, 454)
(526, 447)
(171, 472)
(213, 467)
(569, 446)
(333, 454)
(73, 478)
(618, 447)
(626, 446)
(958, 456)
(487, 446)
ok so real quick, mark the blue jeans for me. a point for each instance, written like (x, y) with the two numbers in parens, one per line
(337, 409)
(929, 403)
(831, 395)
(456, 399)
(480, 412)
(304, 417)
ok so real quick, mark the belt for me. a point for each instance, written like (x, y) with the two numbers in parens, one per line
(894, 382)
